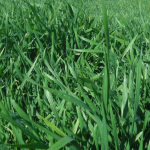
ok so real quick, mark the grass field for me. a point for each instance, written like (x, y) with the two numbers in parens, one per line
(75, 75)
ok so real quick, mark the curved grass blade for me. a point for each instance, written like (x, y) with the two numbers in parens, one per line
(19, 126)
(107, 74)
(62, 95)
(61, 133)
(137, 91)
(24, 116)
(61, 143)
(92, 42)
(74, 130)
(124, 107)
(129, 48)
(5, 56)
(52, 104)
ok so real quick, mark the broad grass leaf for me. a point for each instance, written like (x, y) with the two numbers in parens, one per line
(36, 68)
(61, 143)
(19, 126)
(52, 126)
(74, 130)
(24, 116)
(72, 71)
(53, 135)
(129, 48)
(90, 41)
(6, 56)
(52, 104)
(16, 131)
(88, 100)
(137, 91)
(76, 37)
(124, 107)
(52, 71)
(81, 122)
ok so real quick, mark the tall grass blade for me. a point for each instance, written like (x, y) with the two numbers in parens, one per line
(19, 126)
(61, 143)
(137, 92)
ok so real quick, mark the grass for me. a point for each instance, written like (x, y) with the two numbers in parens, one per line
(74, 75)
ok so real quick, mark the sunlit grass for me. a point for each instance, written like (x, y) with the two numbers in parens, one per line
(74, 75)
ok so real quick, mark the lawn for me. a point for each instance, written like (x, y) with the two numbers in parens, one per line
(74, 74)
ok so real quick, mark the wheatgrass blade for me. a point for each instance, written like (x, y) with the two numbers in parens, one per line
(137, 91)
(88, 101)
(48, 132)
(36, 68)
(5, 117)
(51, 70)
(59, 83)
(81, 122)
(56, 129)
(24, 116)
(61, 143)
(65, 96)
(130, 48)
(52, 104)
(107, 72)
(29, 72)
(91, 41)
(49, 78)
(124, 106)
(76, 37)
(131, 84)
(16, 131)
(74, 130)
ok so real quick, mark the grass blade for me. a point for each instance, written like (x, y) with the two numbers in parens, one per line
(61, 143)
(137, 92)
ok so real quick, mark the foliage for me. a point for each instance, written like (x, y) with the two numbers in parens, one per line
(74, 75)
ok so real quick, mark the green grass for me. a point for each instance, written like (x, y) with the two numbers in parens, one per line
(74, 75)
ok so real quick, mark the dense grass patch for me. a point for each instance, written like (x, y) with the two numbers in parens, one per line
(74, 75)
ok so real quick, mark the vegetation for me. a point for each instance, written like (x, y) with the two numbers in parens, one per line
(74, 75)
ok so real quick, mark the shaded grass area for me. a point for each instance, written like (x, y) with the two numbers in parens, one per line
(72, 77)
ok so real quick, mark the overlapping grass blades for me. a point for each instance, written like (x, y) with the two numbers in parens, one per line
(72, 77)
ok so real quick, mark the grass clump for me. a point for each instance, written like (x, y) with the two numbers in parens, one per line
(72, 77)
